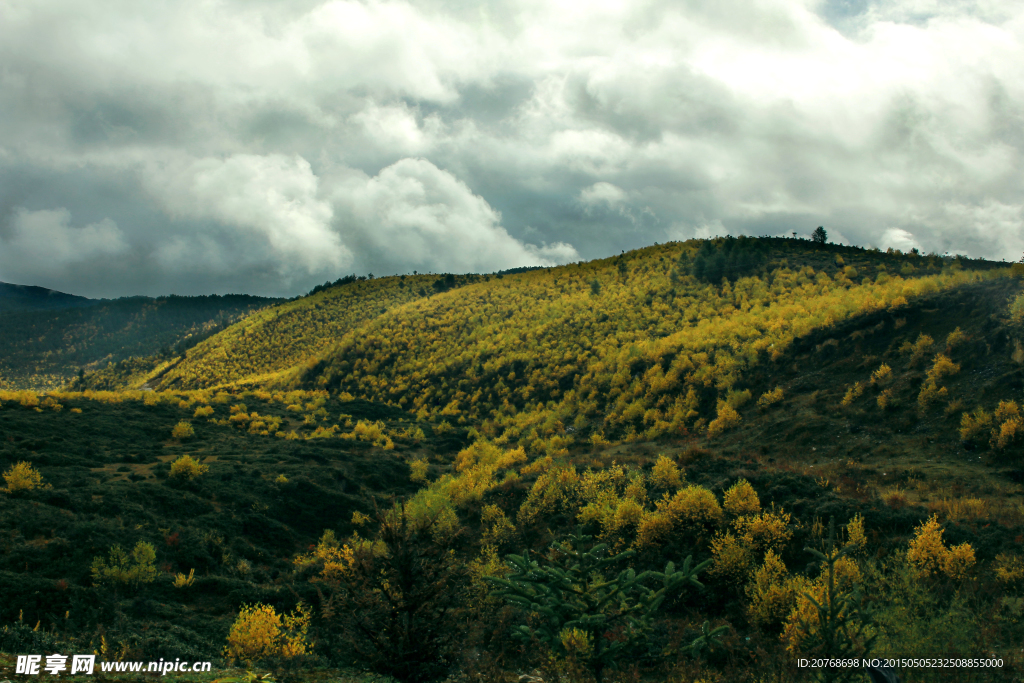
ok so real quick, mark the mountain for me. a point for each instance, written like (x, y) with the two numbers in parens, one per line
(406, 441)
(29, 298)
(46, 347)
(282, 337)
(639, 345)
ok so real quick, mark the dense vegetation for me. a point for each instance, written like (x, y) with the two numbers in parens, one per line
(653, 453)
(30, 298)
(45, 348)
(291, 334)
(618, 349)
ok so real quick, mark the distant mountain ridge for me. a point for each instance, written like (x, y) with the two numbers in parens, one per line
(31, 298)
(48, 337)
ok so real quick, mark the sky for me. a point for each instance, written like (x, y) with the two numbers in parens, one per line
(265, 146)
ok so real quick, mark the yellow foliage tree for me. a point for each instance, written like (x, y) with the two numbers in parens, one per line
(691, 510)
(203, 411)
(418, 470)
(498, 529)
(770, 398)
(881, 376)
(23, 477)
(1009, 569)
(182, 430)
(804, 619)
(188, 468)
(929, 556)
(918, 350)
(972, 425)
(741, 499)
(260, 633)
(666, 473)
(941, 367)
(955, 339)
(886, 399)
(730, 558)
(773, 592)
(852, 394)
(727, 419)
(1006, 410)
(855, 535)
(769, 530)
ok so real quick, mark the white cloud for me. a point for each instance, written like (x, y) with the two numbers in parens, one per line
(415, 213)
(991, 229)
(261, 127)
(271, 202)
(898, 238)
(712, 229)
(48, 241)
(602, 193)
(395, 128)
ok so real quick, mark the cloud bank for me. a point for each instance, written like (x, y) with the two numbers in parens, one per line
(264, 146)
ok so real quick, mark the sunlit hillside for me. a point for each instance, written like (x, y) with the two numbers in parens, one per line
(634, 345)
(292, 333)
(654, 342)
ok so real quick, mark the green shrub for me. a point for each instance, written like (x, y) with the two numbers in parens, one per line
(124, 569)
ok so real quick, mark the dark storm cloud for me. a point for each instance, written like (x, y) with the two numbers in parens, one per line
(268, 146)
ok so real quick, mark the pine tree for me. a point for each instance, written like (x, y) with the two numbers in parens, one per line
(842, 625)
(583, 611)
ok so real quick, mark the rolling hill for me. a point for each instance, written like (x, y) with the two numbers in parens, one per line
(386, 442)
(49, 337)
(637, 346)
(30, 298)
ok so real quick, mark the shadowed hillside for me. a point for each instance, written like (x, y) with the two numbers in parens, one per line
(45, 348)
(28, 298)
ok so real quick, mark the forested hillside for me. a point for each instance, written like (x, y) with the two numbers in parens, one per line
(45, 348)
(608, 472)
(30, 298)
(641, 345)
(292, 333)
(636, 346)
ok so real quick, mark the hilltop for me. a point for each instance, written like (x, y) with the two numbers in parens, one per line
(31, 298)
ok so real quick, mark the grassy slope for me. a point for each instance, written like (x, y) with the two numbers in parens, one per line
(291, 333)
(645, 355)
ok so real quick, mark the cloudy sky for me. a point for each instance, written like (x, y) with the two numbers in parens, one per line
(264, 146)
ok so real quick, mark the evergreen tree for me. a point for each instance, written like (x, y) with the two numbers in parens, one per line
(585, 612)
(842, 628)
